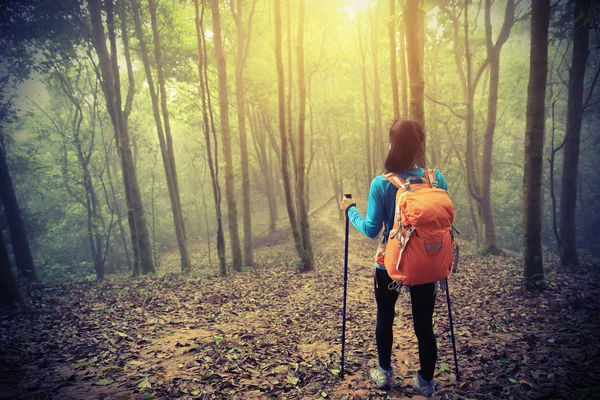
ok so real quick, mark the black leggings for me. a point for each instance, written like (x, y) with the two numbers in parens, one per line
(423, 301)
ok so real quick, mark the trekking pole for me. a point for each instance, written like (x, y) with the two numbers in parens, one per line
(348, 196)
(452, 331)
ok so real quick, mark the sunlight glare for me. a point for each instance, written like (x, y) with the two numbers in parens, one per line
(351, 7)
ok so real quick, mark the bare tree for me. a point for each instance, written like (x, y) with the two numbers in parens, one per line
(111, 86)
(534, 144)
(392, 25)
(414, 53)
(568, 196)
(166, 146)
(226, 138)
(243, 45)
(212, 154)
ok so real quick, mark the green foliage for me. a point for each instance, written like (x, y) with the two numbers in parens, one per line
(48, 174)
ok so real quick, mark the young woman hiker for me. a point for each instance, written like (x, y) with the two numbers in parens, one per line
(406, 143)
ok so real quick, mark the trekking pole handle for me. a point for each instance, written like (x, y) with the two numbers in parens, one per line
(348, 195)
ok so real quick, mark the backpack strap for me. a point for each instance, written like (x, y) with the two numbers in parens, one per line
(397, 181)
(430, 176)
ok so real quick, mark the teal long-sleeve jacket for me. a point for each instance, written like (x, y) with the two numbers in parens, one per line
(382, 199)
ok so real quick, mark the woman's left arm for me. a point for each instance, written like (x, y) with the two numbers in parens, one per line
(371, 224)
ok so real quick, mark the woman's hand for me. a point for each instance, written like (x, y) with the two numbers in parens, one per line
(346, 203)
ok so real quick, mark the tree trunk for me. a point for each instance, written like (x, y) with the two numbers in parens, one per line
(242, 51)
(402, 55)
(112, 92)
(415, 71)
(16, 226)
(490, 244)
(289, 201)
(308, 261)
(378, 144)
(166, 146)
(234, 237)
(568, 195)
(479, 179)
(116, 206)
(9, 293)
(290, 116)
(534, 145)
(213, 165)
(392, 24)
(363, 74)
(262, 155)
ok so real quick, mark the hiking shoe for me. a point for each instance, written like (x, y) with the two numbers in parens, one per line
(382, 378)
(426, 388)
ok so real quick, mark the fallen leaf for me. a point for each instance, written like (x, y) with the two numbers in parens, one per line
(103, 382)
(524, 382)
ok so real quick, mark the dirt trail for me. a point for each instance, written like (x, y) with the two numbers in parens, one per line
(274, 333)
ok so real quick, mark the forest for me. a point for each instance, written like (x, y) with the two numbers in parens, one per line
(171, 175)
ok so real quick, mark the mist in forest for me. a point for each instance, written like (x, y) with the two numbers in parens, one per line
(202, 139)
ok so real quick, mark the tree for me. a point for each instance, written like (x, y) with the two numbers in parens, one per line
(166, 146)
(243, 41)
(111, 86)
(284, 139)
(363, 74)
(16, 226)
(262, 151)
(80, 137)
(402, 55)
(392, 25)
(226, 138)
(308, 261)
(534, 144)
(415, 69)
(378, 144)
(479, 183)
(9, 293)
(568, 194)
(211, 154)
(483, 195)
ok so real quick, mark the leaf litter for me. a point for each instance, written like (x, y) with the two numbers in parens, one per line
(274, 333)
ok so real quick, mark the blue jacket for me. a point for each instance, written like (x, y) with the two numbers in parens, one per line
(381, 204)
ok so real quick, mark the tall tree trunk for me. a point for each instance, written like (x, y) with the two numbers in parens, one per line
(166, 146)
(9, 293)
(242, 52)
(16, 226)
(402, 55)
(213, 164)
(261, 147)
(112, 92)
(289, 201)
(415, 70)
(392, 25)
(115, 202)
(308, 262)
(378, 144)
(363, 74)
(234, 237)
(479, 179)
(290, 115)
(568, 194)
(490, 244)
(534, 145)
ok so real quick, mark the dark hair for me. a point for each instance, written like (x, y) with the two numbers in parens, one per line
(406, 137)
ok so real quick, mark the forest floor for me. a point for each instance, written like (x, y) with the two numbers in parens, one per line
(273, 333)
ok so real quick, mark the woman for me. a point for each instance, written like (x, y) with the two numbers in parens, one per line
(406, 144)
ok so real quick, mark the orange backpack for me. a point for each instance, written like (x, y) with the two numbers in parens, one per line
(421, 246)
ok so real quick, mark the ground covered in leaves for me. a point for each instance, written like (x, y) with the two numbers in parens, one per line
(273, 333)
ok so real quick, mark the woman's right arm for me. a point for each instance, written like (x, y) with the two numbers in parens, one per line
(371, 224)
